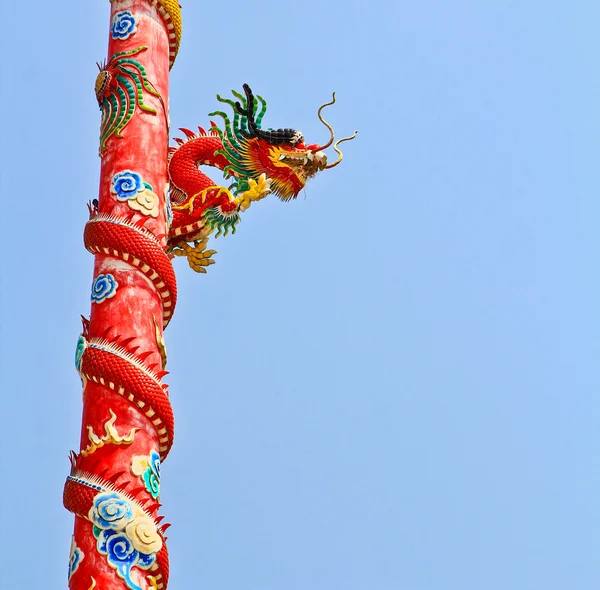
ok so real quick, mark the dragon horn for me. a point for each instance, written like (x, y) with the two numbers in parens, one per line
(249, 112)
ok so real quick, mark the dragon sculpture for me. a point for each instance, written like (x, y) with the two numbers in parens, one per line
(135, 230)
(256, 161)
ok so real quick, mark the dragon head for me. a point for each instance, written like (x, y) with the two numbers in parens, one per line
(280, 154)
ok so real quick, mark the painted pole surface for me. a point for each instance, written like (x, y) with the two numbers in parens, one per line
(127, 422)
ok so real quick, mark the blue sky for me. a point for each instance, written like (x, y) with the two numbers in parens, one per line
(389, 384)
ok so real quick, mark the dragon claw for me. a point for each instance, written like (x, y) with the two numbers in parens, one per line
(257, 190)
(198, 257)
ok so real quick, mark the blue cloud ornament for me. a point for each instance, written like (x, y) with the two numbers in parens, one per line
(123, 25)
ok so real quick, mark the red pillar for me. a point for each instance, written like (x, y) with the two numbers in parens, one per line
(127, 423)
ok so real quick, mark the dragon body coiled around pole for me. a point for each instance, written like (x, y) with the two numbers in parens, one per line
(256, 163)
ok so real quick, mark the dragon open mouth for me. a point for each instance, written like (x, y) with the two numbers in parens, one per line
(294, 169)
(305, 164)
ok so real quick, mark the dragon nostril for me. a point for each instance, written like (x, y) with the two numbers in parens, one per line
(321, 159)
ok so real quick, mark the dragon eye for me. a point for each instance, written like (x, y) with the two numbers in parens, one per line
(297, 137)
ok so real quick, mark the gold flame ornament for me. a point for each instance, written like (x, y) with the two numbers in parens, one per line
(111, 436)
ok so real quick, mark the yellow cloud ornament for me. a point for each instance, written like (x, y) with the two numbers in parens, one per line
(143, 534)
(145, 201)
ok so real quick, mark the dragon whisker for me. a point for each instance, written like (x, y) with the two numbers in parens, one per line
(335, 147)
(327, 104)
